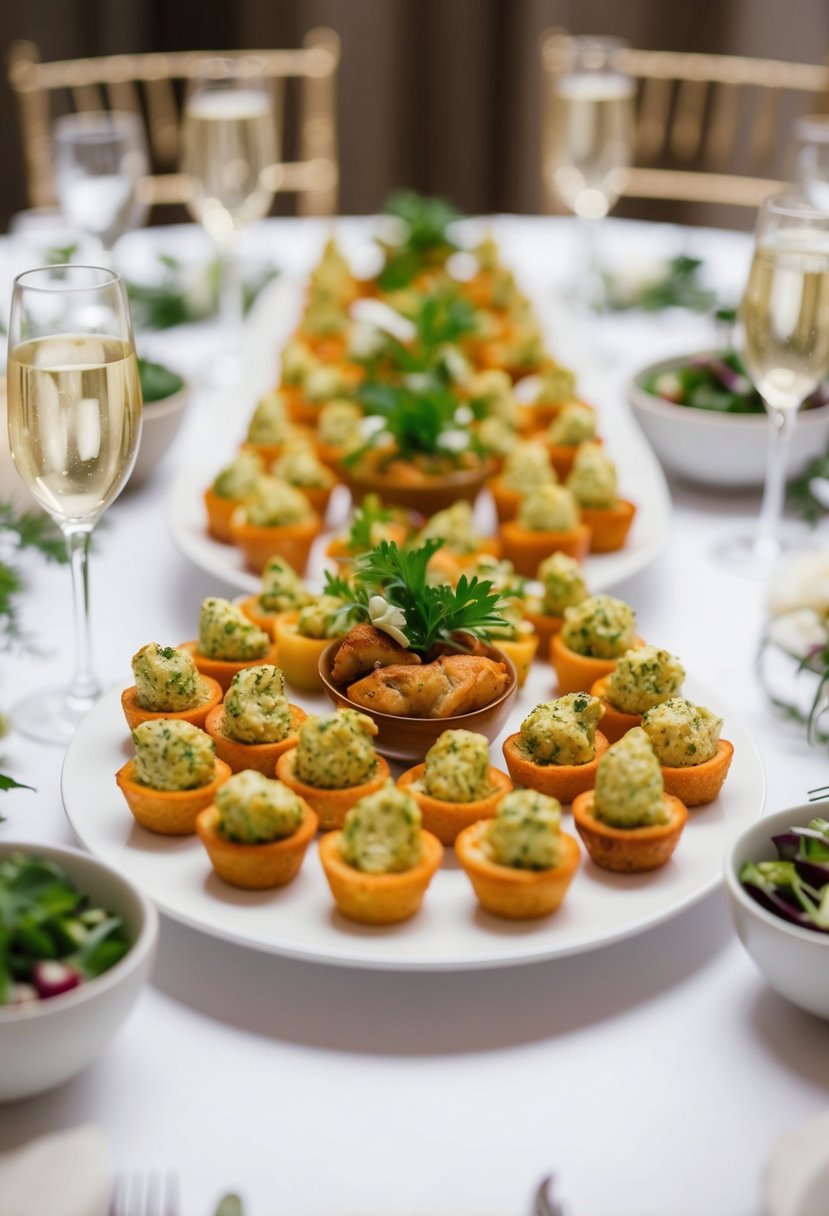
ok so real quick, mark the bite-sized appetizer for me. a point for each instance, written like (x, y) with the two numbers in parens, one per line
(574, 424)
(686, 739)
(462, 544)
(231, 486)
(256, 832)
(558, 748)
(275, 519)
(563, 586)
(525, 469)
(516, 638)
(168, 685)
(520, 863)
(366, 648)
(548, 521)
(447, 686)
(334, 764)
(595, 634)
(339, 431)
(643, 677)
(456, 785)
(282, 591)
(381, 862)
(593, 483)
(173, 775)
(320, 384)
(301, 468)
(269, 429)
(498, 438)
(490, 395)
(228, 641)
(255, 723)
(370, 524)
(302, 636)
(556, 388)
(627, 822)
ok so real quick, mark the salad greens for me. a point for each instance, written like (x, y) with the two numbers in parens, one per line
(716, 382)
(677, 287)
(52, 938)
(795, 886)
(157, 382)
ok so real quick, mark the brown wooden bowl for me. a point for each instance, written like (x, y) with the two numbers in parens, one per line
(426, 497)
(409, 739)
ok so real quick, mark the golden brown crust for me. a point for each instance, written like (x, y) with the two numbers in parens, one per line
(378, 899)
(290, 541)
(527, 549)
(223, 670)
(546, 627)
(168, 812)
(365, 648)
(699, 784)
(444, 688)
(135, 715)
(609, 526)
(615, 722)
(629, 850)
(255, 867)
(562, 781)
(445, 819)
(219, 513)
(330, 806)
(512, 893)
(259, 756)
(579, 672)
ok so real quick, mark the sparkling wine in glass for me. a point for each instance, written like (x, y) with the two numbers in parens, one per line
(785, 322)
(100, 158)
(587, 139)
(74, 414)
(230, 145)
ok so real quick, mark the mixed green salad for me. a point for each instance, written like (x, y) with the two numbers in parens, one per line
(794, 886)
(718, 382)
(53, 938)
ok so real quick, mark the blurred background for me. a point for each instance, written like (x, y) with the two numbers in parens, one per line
(444, 96)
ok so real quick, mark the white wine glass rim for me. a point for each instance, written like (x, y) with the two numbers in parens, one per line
(96, 123)
(55, 280)
(792, 205)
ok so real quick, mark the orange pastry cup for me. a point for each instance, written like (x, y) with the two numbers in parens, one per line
(545, 626)
(330, 806)
(579, 672)
(255, 867)
(168, 812)
(512, 893)
(219, 514)
(378, 899)
(608, 526)
(527, 550)
(266, 621)
(699, 784)
(446, 819)
(261, 756)
(629, 850)
(337, 548)
(329, 455)
(562, 781)
(223, 670)
(318, 496)
(522, 653)
(269, 452)
(299, 657)
(615, 722)
(291, 541)
(507, 501)
(563, 455)
(135, 715)
(452, 565)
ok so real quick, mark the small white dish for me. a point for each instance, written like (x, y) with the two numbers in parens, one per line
(724, 450)
(160, 425)
(794, 961)
(44, 1043)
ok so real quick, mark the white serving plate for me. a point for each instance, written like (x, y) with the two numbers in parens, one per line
(450, 932)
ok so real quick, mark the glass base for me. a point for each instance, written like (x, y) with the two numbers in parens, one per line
(755, 556)
(50, 715)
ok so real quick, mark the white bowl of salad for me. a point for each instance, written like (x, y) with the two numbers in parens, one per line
(705, 421)
(78, 944)
(777, 878)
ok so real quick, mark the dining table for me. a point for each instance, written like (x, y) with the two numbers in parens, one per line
(652, 1075)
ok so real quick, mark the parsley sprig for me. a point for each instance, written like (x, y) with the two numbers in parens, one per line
(434, 614)
(426, 240)
(22, 530)
(416, 422)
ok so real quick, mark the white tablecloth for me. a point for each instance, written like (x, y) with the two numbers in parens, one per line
(652, 1076)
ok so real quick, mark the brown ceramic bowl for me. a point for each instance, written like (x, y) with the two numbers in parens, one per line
(409, 739)
(427, 496)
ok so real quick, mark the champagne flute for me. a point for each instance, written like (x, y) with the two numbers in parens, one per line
(785, 320)
(100, 157)
(588, 133)
(230, 148)
(74, 412)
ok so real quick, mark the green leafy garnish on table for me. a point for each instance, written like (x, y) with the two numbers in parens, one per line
(173, 301)
(431, 614)
(801, 496)
(677, 287)
(26, 530)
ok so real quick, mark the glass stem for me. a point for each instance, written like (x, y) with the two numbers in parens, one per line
(781, 425)
(231, 302)
(84, 687)
(590, 290)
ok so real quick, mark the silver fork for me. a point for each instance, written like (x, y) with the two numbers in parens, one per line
(543, 1203)
(144, 1194)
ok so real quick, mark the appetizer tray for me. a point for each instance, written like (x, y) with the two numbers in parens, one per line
(450, 932)
(220, 426)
